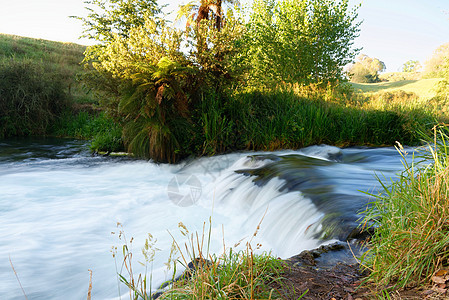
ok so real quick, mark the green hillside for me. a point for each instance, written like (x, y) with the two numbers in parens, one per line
(62, 59)
(40, 93)
(55, 52)
(424, 88)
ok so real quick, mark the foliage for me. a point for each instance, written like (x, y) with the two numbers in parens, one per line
(307, 41)
(410, 217)
(195, 13)
(443, 85)
(30, 98)
(231, 275)
(106, 135)
(155, 111)
(214, 88)
(399, 76)
(366, 69)
(216, 52)
(153, 85)
(237, 275)
(144, 64)
(106, 19)
(283, 119)
(411, 66)
(434, 66)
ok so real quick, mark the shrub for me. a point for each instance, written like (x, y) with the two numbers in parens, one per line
(106, 135)
(30, 98)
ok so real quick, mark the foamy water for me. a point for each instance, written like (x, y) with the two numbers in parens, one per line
(59, 205)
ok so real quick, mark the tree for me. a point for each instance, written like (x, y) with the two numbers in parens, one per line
(156, 109)
(106, 18)
(306, 41)
(443, 85)
(411, 66)
(366, 69)
(213, 41)
(434, 65)
(196, 11)
(158, 85)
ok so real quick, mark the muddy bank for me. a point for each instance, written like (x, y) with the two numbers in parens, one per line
(329, 272)
(333, 272)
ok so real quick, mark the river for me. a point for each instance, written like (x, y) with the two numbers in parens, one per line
(59, 206)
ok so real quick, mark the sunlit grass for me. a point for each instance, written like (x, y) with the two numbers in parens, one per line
(411, 221)
(424, 88)
(61, 59)
(229, 275)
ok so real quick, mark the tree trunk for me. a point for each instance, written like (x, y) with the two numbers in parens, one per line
(218, 16)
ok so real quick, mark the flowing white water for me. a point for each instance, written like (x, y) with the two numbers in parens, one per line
(58, 207)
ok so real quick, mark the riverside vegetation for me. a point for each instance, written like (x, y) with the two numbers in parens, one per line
(40, 93)
(233, 79)
(410, 245)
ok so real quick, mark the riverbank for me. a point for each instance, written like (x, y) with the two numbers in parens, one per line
(317, 275)
(55, 102)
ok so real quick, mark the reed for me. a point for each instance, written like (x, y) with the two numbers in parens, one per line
(410, 217)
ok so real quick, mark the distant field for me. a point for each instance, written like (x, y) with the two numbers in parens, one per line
(424, 88)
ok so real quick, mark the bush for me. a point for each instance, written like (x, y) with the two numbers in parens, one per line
(30, 98)
(106, 135)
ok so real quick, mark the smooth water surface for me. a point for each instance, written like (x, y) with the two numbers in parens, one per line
(59, 205)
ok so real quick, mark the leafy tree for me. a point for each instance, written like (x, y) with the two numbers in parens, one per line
(443, 85)
(434, 66)
(158, 85)
(106, 21)
(213, 41)
(108, 18)
(366, 69)
(159, 76)
(216, 52)
(156, 109)
(196, 11)
(411, 66)
(306, 41)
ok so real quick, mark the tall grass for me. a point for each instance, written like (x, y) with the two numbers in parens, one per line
(411, 220)
(288, 119)
(30, 98)
(231, 275)
(103, 131)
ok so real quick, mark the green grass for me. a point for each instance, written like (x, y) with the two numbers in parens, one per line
(294, 119)
(291, 119)
(31, 99)
(424, 88)
(104, 133)
(61, 59)
(411, 218)
(230, 275)
(41, 94)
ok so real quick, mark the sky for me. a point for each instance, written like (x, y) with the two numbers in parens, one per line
(393, 31)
